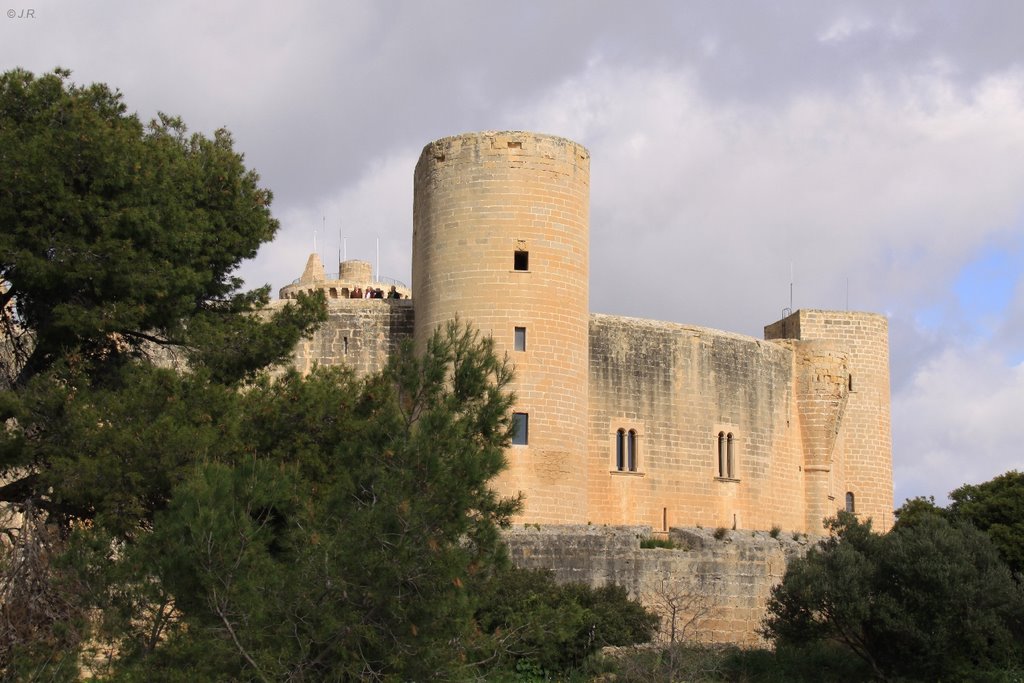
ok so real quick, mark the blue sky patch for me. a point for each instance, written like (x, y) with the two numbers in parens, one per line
(985, 286)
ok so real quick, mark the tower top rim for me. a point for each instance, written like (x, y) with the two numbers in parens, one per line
(485, 134)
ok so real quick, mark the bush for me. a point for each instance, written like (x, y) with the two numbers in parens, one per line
(930, 600)
(720, 533)
(687, 662)
(542, 626)
(653, 542)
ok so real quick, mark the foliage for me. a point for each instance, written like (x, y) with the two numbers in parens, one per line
(334, 534)
(534, 623)
(997, 508)
(118, 241)
(655, 542)
(916, 509)
(812, 663)
(720, 533)
(930, 599)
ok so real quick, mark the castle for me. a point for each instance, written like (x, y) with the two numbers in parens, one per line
(619, 421)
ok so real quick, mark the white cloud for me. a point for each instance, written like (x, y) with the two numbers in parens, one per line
(890, 186)
(844, 28)
(957, 422)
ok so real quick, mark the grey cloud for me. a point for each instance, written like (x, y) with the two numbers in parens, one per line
(875, 143)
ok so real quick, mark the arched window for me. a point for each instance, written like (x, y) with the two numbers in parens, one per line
(730, 460)
(850, 506)
(620, 450)
(721, 455)
(631, 451)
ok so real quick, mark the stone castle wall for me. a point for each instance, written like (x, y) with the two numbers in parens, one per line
(678, 387)
(846, 407)
(626, 421)
(720, 586)
(359, 333)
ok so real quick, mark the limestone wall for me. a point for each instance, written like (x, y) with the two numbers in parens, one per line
(359, 333)
(679, 387)
(720, 585)
(861, 463)
(500, 240)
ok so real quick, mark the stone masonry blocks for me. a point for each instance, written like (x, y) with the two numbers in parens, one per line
(479, 200)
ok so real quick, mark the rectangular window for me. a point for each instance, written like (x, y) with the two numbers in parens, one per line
(520, 429)
(522, 260)
(520, 340)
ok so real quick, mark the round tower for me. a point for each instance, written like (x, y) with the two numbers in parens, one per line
(500, 240)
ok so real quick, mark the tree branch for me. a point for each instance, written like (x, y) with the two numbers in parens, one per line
(238, 645)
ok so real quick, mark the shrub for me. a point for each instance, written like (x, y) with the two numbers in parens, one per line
(929, 600)
(654, 542)
(720, 533)
(775, 531)
(541, 628)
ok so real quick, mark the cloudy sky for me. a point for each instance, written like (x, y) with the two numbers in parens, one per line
(875, 150)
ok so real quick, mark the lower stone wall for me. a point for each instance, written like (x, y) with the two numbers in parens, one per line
(707, 589)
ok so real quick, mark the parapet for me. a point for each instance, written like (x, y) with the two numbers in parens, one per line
(351, 275)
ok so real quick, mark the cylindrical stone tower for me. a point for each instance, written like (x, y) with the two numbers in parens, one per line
(501, 241)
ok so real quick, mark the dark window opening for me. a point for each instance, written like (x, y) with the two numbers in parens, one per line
(522, 260)
(849, 383)
(515, 145)
(850, 506)
(620, 450)
(721, 454)
(631, 451)
(726, 456)
(730, 462)
(520, 429)
(520, 339)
